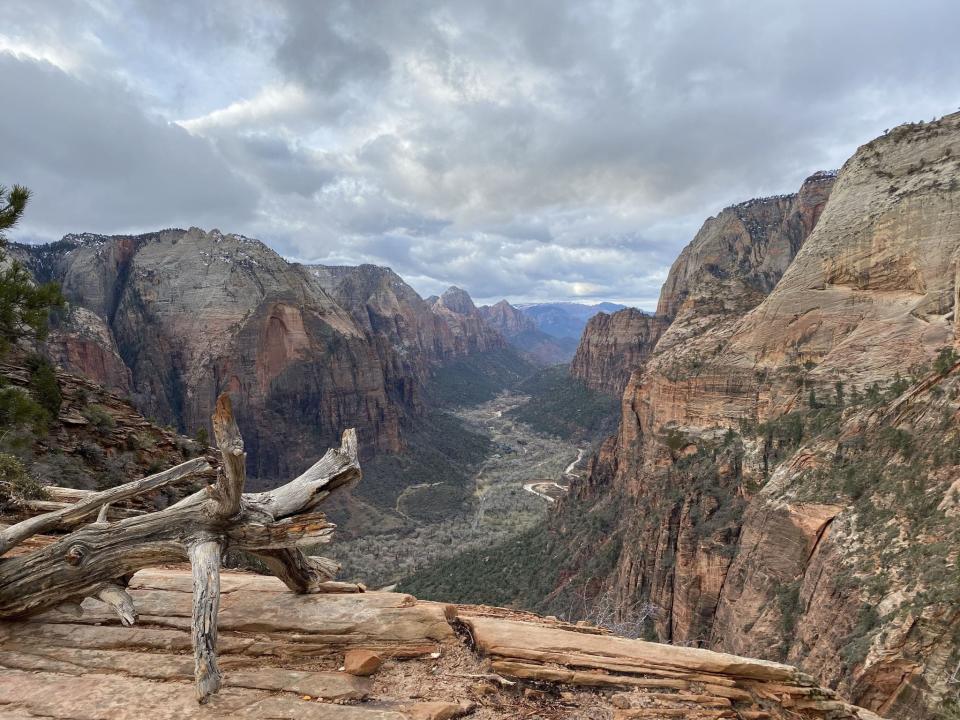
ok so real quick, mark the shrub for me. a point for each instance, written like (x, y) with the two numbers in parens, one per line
(675, 440)
(788, 599)
(899, 440)
(16, 484)
(55, 468)
(861, 637)
(18, 411)
(202, 436)
(949, 711)
(897, 387)
(100, 418)
(945, 360)
(92, 453)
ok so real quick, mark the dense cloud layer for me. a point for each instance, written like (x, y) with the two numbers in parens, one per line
(535, 150)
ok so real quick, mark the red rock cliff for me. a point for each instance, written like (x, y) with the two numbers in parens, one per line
(613, 346)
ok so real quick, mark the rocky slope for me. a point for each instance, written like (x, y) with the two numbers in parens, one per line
(612, 346)
(522, 333)
(745, 250)
(387, 308)
(781, 480)
(507, 319)
(175, 317)
(96, 440)
(730, 266)
(375, 656)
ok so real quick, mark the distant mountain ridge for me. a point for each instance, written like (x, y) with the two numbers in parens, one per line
(565, 319)
(521, 331)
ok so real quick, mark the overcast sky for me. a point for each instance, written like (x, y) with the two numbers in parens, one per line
(529, 150)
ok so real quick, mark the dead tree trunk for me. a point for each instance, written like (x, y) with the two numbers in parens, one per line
(98, 559)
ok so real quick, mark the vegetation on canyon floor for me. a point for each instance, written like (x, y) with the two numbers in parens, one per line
(564, 406)
(477, 378)
(466, 491)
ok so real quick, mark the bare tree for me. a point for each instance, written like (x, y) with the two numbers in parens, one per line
(606, 610)
(98, 559)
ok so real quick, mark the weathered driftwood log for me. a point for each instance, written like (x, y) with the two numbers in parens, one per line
(98, 559)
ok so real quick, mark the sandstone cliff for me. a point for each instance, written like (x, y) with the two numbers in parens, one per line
(746, 248)
(507, 319)
(613, 346)
(734, 261)
(470, 330)
(82, 341)
(176, 317)
(408, 336)
(386, 307)
(780, 483)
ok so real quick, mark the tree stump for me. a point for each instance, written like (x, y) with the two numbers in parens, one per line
(99, 558)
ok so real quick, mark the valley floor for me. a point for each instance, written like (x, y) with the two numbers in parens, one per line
(523, 473)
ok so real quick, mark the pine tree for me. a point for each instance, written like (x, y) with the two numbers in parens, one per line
(24, 305)
(202, 437)
(24, 309)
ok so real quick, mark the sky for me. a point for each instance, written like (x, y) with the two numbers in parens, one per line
(536, 150)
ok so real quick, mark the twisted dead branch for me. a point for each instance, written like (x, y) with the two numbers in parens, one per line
(98, 559)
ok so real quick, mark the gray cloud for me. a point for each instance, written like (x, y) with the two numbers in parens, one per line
(327, 46)
(94, 159)
(534, 150)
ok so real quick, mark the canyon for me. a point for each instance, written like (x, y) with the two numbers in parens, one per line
(497, 361)
(782, 482)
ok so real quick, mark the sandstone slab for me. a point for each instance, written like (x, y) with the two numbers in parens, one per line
(512, 639)
(279, 653)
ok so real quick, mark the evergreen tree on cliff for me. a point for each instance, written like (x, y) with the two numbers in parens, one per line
(24, 308)
(24, 305)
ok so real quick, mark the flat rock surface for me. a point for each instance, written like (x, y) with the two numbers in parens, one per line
(280, 655)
